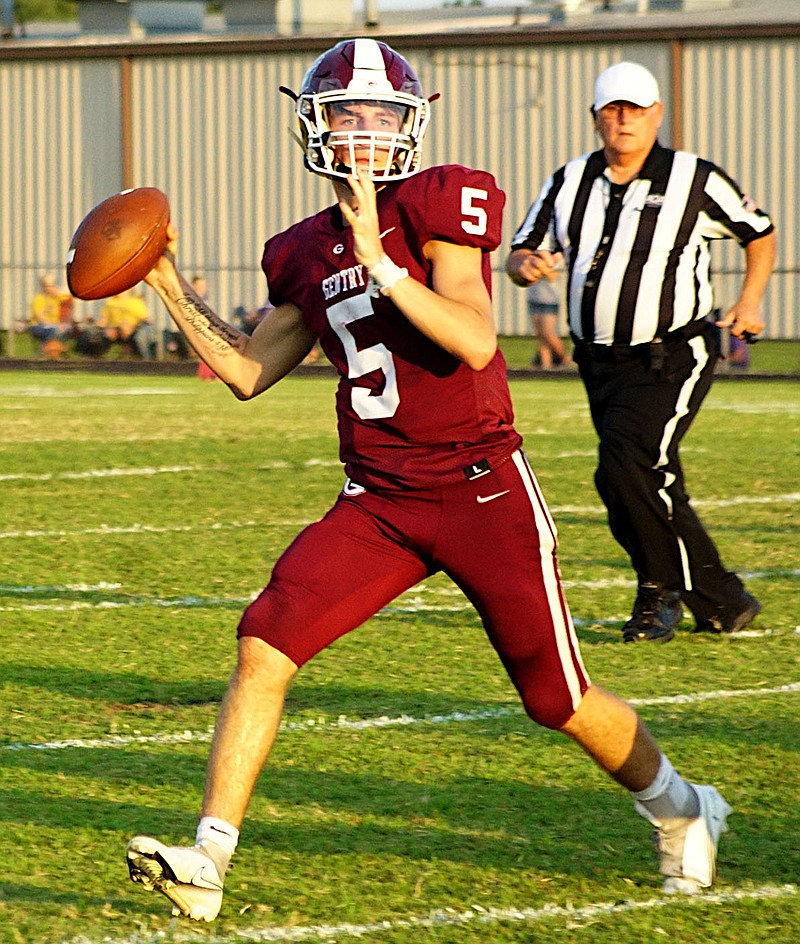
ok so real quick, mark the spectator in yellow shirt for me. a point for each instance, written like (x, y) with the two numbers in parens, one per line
(49, 315)
(125, 319)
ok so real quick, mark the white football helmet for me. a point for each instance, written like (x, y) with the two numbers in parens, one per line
(359, 72)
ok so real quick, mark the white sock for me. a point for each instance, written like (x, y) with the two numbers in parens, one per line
(219, 839)
(669, 796)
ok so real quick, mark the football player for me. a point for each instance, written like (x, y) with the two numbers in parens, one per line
(393, 281)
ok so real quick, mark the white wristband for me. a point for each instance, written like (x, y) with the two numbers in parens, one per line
(386, 274)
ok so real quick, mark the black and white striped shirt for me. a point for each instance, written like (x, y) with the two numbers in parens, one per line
(637, 254)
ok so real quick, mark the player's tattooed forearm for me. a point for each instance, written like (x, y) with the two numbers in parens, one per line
(206, 324)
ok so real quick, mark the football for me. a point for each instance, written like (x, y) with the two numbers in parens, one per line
(118, 243)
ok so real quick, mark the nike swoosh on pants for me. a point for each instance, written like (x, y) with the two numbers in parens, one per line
(487, 498)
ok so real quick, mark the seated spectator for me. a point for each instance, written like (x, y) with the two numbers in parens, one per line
(50, 316)
(125, 320)
(91, 339)
(175, 343)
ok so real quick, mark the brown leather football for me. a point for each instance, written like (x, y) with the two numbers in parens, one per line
(118, 243)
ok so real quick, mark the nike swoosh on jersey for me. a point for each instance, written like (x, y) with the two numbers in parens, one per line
(487, 498)
(386, 232)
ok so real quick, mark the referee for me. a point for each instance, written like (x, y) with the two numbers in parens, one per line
(633, 223)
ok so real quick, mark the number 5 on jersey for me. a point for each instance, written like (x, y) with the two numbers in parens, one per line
(474, 219)
(367, 404)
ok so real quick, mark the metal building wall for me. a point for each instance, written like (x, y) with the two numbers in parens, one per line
(213, 131)
(519, 111)
(740, 107)
(234, 173)
(59, 154)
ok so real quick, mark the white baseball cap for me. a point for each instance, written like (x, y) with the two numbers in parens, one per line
(626, 82)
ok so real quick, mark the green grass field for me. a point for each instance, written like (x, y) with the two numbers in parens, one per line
(408, 799)
(767, 357)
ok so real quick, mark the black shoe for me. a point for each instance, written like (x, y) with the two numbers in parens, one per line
(746, 609)
(656, 613)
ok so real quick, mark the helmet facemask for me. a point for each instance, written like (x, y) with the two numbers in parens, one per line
(365, 77)
(393, 153)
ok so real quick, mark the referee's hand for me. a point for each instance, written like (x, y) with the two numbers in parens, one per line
(744, 321)
(525, 266)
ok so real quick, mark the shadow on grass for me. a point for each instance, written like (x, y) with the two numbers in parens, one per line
(469, 821)
(33, 895)
(524, 827)
(135, 691)
(113, 687)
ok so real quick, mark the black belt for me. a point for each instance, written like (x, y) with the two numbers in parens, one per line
(653, 351)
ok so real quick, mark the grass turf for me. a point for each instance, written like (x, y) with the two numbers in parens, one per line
(139, 515)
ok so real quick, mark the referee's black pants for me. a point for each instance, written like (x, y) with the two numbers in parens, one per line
(643, 399)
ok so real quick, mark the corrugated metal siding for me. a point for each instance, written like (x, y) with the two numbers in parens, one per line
(59, 154)
(520, 112)
(740, 106)
(213, 131)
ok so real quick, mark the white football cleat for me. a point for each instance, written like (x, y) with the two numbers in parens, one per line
(687, 848)
(185, 874)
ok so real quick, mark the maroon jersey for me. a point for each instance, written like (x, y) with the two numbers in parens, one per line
(410, 415)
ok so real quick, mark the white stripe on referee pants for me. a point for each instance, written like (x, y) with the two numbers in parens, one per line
(700, 351)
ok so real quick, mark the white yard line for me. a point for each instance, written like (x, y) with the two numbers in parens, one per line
(408, 604)
(105, 529)
(362, 724)
(148, 470)
(11, 589)
(477, 915)
(787, 407)
(37, 393)
(791, 498)
(96, 473)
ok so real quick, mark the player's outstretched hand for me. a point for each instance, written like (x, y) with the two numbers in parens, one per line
(362, 214)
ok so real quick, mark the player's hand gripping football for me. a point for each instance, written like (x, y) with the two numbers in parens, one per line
(361, 212)
(167, 258)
